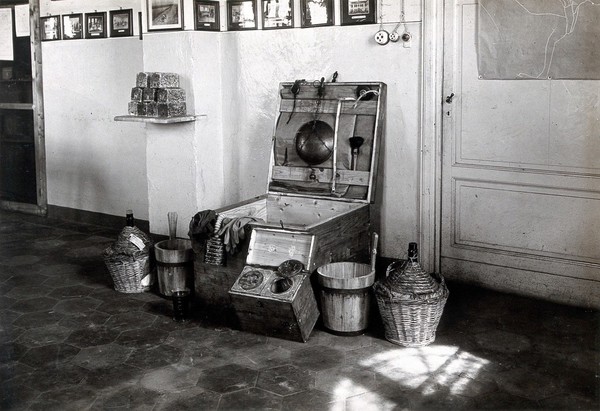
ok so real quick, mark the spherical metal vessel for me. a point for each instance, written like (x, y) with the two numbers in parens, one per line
(314, 142)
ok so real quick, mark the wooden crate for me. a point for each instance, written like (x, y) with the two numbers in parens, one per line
(289, 314)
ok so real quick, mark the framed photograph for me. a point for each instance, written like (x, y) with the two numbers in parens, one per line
(95, 25)
(50, 28)
(121, 23)
(241, 15)
(358, 12)
(72, 26)
(277, 14)
(316, 13)
(165, 14)
(206, 15)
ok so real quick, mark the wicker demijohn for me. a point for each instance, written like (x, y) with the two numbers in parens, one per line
(127, 262)
(410, 302)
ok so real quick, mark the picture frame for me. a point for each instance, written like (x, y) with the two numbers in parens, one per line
(121, 23)
(95, 25)
(206, 15)
(50, 28)
(165, 15)
(241, 15)
(277, 14)
(357, 12)
(72, 26)
(316, 13)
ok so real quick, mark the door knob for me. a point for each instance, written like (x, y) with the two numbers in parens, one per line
(449, 98)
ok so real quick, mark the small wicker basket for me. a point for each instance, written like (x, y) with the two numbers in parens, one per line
(411, 303)
(127, 263)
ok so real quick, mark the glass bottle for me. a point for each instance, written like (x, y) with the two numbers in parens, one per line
(129, 218)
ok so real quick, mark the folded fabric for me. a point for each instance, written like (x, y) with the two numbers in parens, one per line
(202, 225)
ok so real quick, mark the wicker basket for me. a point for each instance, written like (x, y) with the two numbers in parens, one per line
(127, 264)
(411, 303)
(214, 251)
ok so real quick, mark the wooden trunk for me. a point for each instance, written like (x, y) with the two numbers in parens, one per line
(313, 213)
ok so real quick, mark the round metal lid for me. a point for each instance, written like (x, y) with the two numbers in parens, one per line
(290, 268)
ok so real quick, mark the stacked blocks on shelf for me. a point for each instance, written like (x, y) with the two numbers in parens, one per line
(157, 95)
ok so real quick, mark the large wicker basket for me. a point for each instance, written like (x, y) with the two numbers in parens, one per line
(128, 264)
(411, 303)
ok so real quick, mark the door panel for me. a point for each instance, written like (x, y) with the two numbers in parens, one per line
(520, 176)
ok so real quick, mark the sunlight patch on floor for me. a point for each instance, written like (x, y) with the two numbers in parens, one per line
(426, 368)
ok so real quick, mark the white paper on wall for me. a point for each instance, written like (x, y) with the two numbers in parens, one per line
(6, 35)
(538, 39)
(22, 20)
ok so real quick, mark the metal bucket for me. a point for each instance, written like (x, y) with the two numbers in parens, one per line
(174, 262)
(345, 296)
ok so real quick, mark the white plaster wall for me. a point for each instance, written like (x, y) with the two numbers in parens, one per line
(185, 161)
(92, 162)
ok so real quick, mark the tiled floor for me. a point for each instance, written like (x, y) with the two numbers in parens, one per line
(68, 341)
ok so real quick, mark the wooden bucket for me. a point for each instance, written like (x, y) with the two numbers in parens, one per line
(345, 296)
(174, 263)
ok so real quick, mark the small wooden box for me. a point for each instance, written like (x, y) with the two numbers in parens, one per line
(315, 213)
(265, 307)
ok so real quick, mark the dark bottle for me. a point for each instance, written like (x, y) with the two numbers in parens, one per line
(129, 218)
(413, 252)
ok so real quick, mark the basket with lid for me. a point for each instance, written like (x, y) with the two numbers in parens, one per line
(128, 261)
(410, 302)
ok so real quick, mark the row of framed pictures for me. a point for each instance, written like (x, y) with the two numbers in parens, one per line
(93, 26)
(241, 15)
(279, 14)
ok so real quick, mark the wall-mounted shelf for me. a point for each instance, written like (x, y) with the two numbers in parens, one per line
(156, 120)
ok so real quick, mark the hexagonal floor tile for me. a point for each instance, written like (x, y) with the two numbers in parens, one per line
(71, 291)
(86, 319)
(117, 375)
(317, 358)
(27, 291)
(250, 399)
(526, 383)
(102, 356)
(345, 381)
(75, 397)
(52, 355)
(227, 378)
(314, 400)
(51, 334)
(92, 336)
(142, 338)
(130, 321)
(128, 398)
(285, 380)
(34, 304)
(120, 306)
(503, 341)
(191, 399)
(172, 378)
(35, 319)
(156, 356)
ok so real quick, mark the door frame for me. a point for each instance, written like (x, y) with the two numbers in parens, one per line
(430, 168)
(41, 206)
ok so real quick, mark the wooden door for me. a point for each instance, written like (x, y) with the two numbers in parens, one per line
(520, 176)
(22, 165)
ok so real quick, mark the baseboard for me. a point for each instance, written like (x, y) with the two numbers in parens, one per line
(90, 217)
